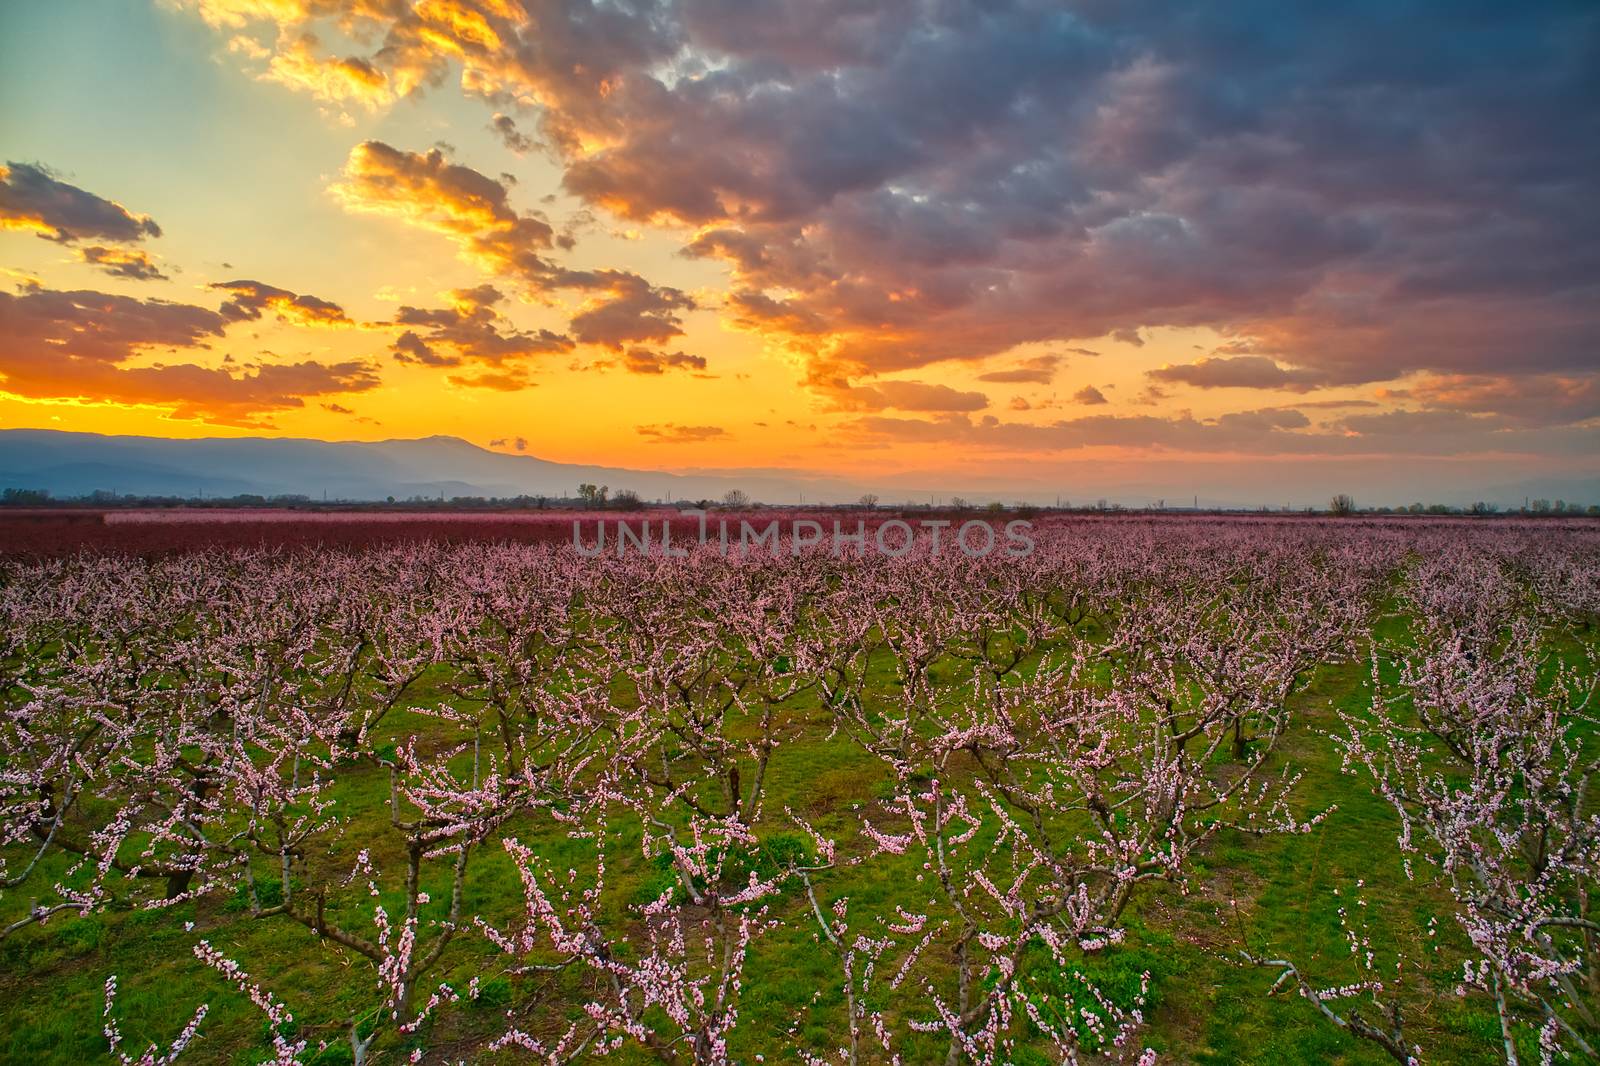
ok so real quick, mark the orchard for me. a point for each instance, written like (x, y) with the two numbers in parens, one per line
(1219, 790)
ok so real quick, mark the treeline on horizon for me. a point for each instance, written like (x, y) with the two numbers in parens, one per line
(599, 498)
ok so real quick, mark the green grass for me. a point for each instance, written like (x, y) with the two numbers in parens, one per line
(1274, 895)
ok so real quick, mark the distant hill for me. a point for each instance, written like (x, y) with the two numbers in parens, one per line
(76, 464)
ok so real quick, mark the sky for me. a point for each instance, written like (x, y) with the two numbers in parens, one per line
(1231, 247)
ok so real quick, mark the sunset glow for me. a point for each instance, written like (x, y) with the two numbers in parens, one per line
(1257, 251)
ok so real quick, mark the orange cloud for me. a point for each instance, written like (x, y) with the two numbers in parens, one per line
(631, 309)
(428, 191)
(908, 396)
(73, 345)
(129, 263)
(646, 361)
(331, 79)
(1038, 370)
(471, 330)
(251, 298)
(671, 433)
(1545, 399)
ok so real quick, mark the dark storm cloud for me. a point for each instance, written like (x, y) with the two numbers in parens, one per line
(946, 185)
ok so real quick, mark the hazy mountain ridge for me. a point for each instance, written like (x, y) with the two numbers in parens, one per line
(76, 464)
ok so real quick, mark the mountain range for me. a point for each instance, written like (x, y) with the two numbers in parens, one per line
(76, 464)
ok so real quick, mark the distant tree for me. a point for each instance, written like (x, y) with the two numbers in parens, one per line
(996, 507)
(869, 500)
(1483, 507)
(1417, 508)
(627, 500)
(1540, 507)
(25, 497)
(959, 504)
(593, 495)
(1342, 505)
(736, 499)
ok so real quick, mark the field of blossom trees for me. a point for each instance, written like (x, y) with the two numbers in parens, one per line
(1164, 789)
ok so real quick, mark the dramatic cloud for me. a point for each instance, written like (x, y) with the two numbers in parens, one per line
(130, 263)
(1546, 400)
(33, 199)
(47, 326)
(1240, 372)
(74, 345)
(250, 298)
(758, 311)
(333, 80)
(628, 309)
(428, 191)
(670, 433)
(471, 330)
(898, 184)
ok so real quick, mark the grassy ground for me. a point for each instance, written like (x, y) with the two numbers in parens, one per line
(1275, 895)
